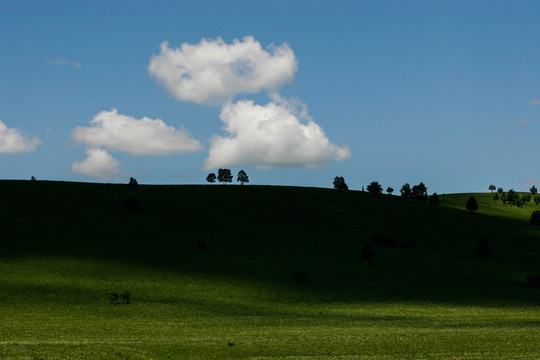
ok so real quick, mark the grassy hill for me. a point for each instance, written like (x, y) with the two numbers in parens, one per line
(66, 246)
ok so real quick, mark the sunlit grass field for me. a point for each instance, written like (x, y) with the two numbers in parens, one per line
(66, 246)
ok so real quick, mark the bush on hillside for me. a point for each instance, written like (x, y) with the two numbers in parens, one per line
(472, 204)
(382, 241)
(367, 254)
(483, 249)
(434, 200)
(131, 203)
(534, 280)
(299, 275)
(419, 192)
(133, 184)
(406, 191)
(537, 199)
(535, 218)
(496, 197)
(533, 190)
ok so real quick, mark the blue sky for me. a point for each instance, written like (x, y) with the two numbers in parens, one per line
(447, 93)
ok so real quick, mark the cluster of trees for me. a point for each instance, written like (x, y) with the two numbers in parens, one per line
(513, 198)
(224, 176)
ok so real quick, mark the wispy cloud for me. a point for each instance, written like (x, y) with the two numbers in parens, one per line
(524, 121)
(535, 102)
(58, 61)
(144, 136)
(13, 141)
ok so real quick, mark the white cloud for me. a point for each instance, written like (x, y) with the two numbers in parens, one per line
(13, 141)
(213, 71)
(98, 164)
(279, 134)
(63, 62)
(145, 136)
(535, 102)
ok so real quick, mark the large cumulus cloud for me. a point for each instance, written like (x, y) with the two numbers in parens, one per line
(278, 134)
(13, 141)
(144, 136)
(212, 70)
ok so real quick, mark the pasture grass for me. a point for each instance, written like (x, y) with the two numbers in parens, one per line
(66, 246)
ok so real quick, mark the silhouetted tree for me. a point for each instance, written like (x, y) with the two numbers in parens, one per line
(33, 178)
(242, 177)
(472, 205)
(504, 198)
(389, 190)
(483, 249)
(535, 218)
(339, 183)
(434, 200)
(374, 188)
(512, 196)
(406, 191)
(419, 192)
(224, 176)
(533, 190)
(367, 253)
(133, 184)
(500, 190)
(211, 178)
(492, 187)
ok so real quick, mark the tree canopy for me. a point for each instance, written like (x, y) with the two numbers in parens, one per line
(242, 177)
(224, 176)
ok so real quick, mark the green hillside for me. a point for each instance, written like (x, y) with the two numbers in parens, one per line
(66, 246)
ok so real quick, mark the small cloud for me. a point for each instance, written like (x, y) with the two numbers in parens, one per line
(62, 62)
(535, 102)
(524, 121)
(48, 129)
(134, 136)
(98, 164)
(13, 141)
(529, 183)
(279, 134)
(212, 71)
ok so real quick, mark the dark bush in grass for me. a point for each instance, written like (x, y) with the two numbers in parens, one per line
(299, 275)
(131, 203)
(483, 249)
(434, 200)
(367, 254)
(125, 298)
(382, 241)
(496, 197)
(114, 298)
(533, 190)
(536, 199)
(534, 281)
(472, 204)
(374, 188)
(339, 183)
(201, 245)
(535, 218)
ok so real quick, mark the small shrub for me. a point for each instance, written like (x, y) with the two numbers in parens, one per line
(133, 184)
(33, 178)
(201, 245)
(113, 298)
(382, 241)
(536, 199)
(533, 281)
(483, 249)
(367, 254)
(230, 343)
(125, 298)
(299, 275)
(535, 218)
(496, 197)
(471, 204)
(434, 200)
(131, 203)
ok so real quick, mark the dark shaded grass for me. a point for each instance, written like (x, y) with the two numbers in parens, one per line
(261, 233)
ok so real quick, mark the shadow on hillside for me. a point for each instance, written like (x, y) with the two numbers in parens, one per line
(260, 234)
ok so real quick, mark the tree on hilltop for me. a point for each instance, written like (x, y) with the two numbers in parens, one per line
(224, 176)
(133, 184)
(434, 200)
(389, 190)
(419, 192)
(242, 177)
(339, 183)
(374, 188)
(211, 178)
(492, 187)
(533, 190)
(406, 191)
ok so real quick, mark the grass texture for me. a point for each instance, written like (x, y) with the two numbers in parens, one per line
(66, 246)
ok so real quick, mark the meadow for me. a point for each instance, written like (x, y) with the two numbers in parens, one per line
(66, 246)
